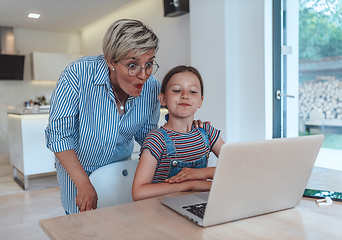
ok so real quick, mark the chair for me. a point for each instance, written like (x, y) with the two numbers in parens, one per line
(113, 182)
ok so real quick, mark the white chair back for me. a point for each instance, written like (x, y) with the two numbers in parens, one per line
(113, 182)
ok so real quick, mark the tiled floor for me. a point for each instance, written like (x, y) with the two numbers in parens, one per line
(329, 158)
(20, 211)
(7, 185)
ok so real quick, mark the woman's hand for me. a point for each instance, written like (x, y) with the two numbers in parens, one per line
(199, 123)
(86, 198)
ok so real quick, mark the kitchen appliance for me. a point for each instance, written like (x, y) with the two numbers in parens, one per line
(11, 64)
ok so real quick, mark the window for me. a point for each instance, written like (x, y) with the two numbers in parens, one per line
(308, 74)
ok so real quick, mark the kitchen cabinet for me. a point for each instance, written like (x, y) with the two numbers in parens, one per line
(48, 66)
(27, 151)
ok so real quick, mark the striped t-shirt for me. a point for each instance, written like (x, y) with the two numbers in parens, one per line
(189, 146)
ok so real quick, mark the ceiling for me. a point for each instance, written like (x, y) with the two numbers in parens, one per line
(56, 15)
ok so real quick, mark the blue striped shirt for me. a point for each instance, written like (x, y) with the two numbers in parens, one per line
(84, 118)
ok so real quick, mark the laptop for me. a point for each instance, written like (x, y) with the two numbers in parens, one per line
(251, 179)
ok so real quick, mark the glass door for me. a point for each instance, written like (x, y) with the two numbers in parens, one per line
(311, 74)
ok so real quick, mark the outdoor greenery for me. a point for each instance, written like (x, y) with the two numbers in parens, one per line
(320, 36)
(320, 29)
(332, 141)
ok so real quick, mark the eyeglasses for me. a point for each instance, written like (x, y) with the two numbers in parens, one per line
(134, 69)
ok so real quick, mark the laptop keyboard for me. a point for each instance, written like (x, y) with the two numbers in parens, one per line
(196, 209)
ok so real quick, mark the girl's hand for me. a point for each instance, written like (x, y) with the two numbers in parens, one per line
(199, 123)
(86, 198)
(187, 174)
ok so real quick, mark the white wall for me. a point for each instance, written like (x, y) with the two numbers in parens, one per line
(28, 40)
(173, 33)
(292, 67)
(225, 40)
(207, 34)
(228, 47)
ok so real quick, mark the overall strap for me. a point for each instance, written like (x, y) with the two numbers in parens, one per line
(170, 146)
(205, 137)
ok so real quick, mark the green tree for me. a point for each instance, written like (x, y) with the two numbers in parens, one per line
(320, 29)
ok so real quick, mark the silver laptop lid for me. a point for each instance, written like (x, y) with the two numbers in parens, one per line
(260, 177)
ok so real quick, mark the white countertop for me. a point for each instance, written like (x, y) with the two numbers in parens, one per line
(27, 111)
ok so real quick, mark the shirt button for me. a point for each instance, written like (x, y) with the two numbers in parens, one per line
(174, 163)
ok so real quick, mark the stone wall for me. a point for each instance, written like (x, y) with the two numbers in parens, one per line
(321, 99)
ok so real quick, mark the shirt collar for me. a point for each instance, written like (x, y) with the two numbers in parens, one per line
(101, 76)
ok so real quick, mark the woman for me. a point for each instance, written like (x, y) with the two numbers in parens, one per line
(99, 106)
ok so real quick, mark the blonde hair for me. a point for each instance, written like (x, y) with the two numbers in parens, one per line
(125, 35)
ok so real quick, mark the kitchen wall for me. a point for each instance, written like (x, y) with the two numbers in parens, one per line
(14, 93)
(173, 33)
(223, 62)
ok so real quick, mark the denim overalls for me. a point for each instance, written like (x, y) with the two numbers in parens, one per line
(176, 165)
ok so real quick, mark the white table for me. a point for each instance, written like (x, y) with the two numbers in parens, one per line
(148, 219)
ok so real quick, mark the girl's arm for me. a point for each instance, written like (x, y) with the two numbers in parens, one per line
(187, 174)
(217, 146)
(144, 188)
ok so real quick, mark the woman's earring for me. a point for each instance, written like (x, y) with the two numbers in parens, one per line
(113, 69)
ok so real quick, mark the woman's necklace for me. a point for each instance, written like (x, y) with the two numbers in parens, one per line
(122, 107)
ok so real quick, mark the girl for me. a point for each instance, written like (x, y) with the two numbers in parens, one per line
(174, 157)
